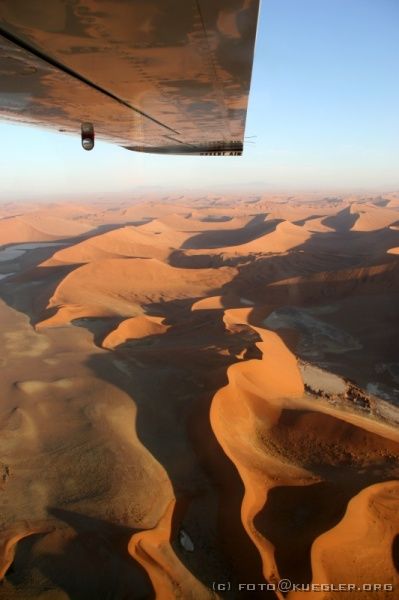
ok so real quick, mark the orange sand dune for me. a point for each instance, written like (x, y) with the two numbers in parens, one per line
(134, 329)
(37, 227)
(197, 221)
(289, 211)
(316, 225)
(124, 285)
(371, 218)
(277, 377)
(166, 234)
(15, 230)
(73, 312)
(126, 242)
(56, 226)
(285, 237)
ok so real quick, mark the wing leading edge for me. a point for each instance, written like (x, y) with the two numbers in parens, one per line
(164, 76)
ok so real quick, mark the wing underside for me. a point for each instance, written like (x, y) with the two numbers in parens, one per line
(165, 76)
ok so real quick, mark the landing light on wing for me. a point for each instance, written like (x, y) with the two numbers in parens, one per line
(87, 136)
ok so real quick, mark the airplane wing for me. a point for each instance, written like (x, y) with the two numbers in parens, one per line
(165, 76)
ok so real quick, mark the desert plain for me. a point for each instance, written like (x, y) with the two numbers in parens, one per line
(199, 390)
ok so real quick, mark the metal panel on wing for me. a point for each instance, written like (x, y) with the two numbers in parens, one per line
(176, 71)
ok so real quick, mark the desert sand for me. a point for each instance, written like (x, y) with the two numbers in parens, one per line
(199, 391)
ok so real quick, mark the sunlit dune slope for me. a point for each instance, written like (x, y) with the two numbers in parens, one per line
(122, 286)
(38, 227)
(166, 234)
(372, 217)
(125, 241)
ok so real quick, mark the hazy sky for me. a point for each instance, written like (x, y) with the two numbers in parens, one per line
(323, 105)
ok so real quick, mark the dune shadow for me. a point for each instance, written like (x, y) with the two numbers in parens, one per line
(98, 327)
(31, 291)
(342, 221)
(294, 516)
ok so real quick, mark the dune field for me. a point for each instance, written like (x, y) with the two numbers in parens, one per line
(200, 398)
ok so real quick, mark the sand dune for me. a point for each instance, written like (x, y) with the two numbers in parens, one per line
(199, 390)
(123, 242)
(134, 329)
(281, 237)
(316, 225)
(371, 218)
(285, 237)
(38, 227)
(165, 233)
(257, 470)
(293, 210)
(14, 231)
(123, 286)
